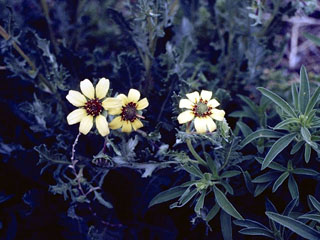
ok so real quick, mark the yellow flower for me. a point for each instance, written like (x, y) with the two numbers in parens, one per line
(91, 106)
(202, 109)
(128, 112)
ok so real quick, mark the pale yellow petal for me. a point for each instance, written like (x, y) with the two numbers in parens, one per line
(123, 98)
(102, 88)
(86, 124)
(111, 103)
(76, 98)
(206, 95)
(217, 114)
(114, 111)
(213, 103)
(126, 127)
(185, 103)
(102, 125)
(116, 123)
(211, 124)
(133, 95)
(185, 116)
(142, 104)
(200, 125)
(136, 124)
(193, 97)
(76, 116)
(87, 88)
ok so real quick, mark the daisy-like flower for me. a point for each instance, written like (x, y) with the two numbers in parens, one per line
(129, 112)
(202, 109)
(91, 102)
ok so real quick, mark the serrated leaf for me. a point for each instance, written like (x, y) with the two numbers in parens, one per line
(298, 227)
(279, 181)
(278, 100)
(313, 101)
(167, 195)
(276, 148)
(261, 133)
(225, 204)
(304, 91)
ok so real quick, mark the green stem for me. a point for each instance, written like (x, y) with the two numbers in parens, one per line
(193, 151)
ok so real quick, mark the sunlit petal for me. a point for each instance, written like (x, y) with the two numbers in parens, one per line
(210, 124)
(102, 125)
(133, 95)
(123, 98)
(102, 88)
(217, 114)
(142, 104)
(126, 127)
(86, 124)
(87, 88)
(193, 97)
(200, 125)
(185, 103)
(114, 111)
(116, 123)
(206, 95)
(76, 98)
(76, 116)
(136, 124)
(111, 103)
(213, 103)
(185, 116)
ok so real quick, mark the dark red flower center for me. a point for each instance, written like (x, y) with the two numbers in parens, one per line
(93, 107)
(129, 112)
(201, 109)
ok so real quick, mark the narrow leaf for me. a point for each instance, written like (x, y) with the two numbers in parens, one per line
(307, 152)
(256, 232)
(313, 101)
(226, 226)
(213, 212)
(279, 181)
(312, 217)
(225, 204)
(245, 129)
(167, 195)
(293, 187)
(314, 202)
(294, 93)
(276, 148)
(305, 171)
(229, 174)
(304, 91)
(273, 165)
(296, 147)
(278, 100)
(266, 177)
(313, 38)
(286, 123)
(261, 133)
(200, 202)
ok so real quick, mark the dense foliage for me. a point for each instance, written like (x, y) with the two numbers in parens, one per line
(187, 127)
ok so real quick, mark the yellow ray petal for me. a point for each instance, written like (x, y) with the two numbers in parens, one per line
(206, 95)
(217, 114)
(76, 98)
(133, 95)
(87, 88)
(123, 98)
(76, 116)
(210, 124)
(185, 116)
(142, 104)
(185, 103)
(200, 125)
(116, 123)
(102, 88)
(114, 111)
(136, 124)
(193, 97)
(86, 124)
(213, 103)
(102, 125)
(111, 103)
(126, 127)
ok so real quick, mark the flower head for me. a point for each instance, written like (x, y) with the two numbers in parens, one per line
(129, 112)
(202, 109)
(91, 102)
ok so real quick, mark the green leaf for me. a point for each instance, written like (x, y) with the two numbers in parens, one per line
(266, 177)
(313, 38)
(245, 129)
(229, 174)
(296, 147)
(211, 163)
(260, 188)
(298, 227)
(227, 186)
(186, 197)
(287, 211)
(278, 100)
(312, 217)
(226, 227)
(167, 195)
(293, 187)
(225, 204)
(314, 202)
(307, 152)
(257, 232)
(306, 135)
(279, 181)
(200, 202)
(261, 133)
(304, 91)
(249, 224)
(294, 93)
(285, 123)
(249, 102)
(192, 169)
(213, 212)
(305, 171)
(248, 181)
(276, 148)
(101, 200)
(312, 102)
(274, 165)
